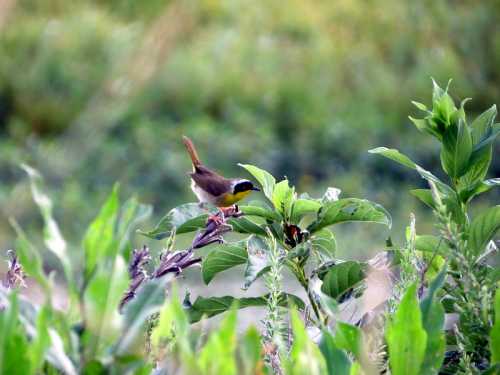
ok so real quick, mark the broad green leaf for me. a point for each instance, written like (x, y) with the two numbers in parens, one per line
(246, 226)
(260, 211)
(393, 154)
(265, 179)
(350, 338)
(101, 301)
(218, 354)
(305, 356)
(302, 207)
(350, 209)
(342, 277)
(283, 198)
(406, 336)
(186, 218)
(433, 322)
(456, 149)
(483, 229)
(324, 244)
(217, 305)
(52, 235)
(495, 332)
(221, 258)
(337, 361)
(425, 195)
(257, 259)
(99, 242)
(431, 244)
(147, 301)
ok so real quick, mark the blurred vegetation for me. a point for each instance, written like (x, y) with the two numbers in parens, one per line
(97, 91)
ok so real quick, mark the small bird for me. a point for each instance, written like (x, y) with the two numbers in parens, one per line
(210, 187)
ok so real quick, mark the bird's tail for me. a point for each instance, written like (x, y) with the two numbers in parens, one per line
(191, 151)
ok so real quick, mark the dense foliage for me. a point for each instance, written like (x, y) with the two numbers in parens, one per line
(97, 91)
(428, 306)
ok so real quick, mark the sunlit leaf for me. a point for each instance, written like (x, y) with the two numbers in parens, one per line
(456, 149)
(265, 179)
(283, 198)
(305, 356)
(257, 259)
(99, 241)
(431, 244)
(350, 338)
(260, 211)
(406, 336)
(433, 322)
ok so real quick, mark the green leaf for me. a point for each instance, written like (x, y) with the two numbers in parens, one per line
(456, 149)
(217, 305)
(131, 214)
(433, 322)
(186, 218)
(246, 226)
(52, 235)
(147, 301)
(101, 300)
(324, 244)
(257, 259)
(495, 332)
(283, 198)
(342, 277)
(425, 195)
(349, 337)
(302, 207)
(99, 241)
(337, 361)
(265, 179)
(350, 209)
(483, 229)
(217, 356)
(406, 336)
(41, 341)
(260, 211)
(478, 188)
(393, 154)
(481, 126)
(431, 244)
(221, 258)
(305, 356)
(250, 352)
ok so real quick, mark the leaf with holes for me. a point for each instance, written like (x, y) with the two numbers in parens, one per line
(350, 209)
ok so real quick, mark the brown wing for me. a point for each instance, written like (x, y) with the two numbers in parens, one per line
(210, 181)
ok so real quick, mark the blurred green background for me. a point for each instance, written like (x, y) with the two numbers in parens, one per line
(93, 92)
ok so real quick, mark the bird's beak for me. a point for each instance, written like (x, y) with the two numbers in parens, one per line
(255, 188)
